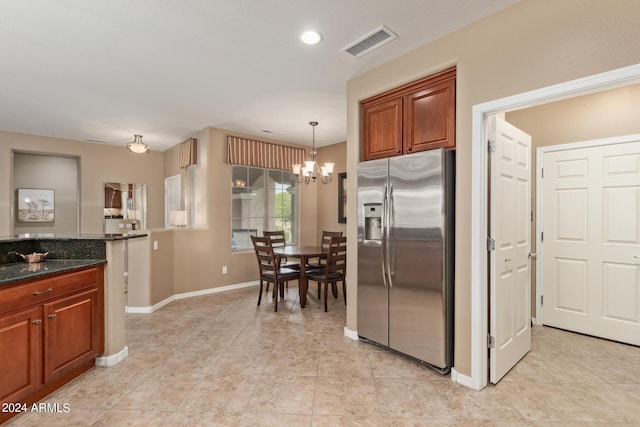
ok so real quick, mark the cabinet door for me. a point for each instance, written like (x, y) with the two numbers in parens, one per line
(70, 333)
(20, 340)
(430, 117)
(382, 133)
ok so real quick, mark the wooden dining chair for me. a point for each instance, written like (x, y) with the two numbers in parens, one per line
(335, 269)
(324, 242)
(278, 240)
(269, 271)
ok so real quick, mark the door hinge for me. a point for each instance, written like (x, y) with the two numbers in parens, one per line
(491, 146)
(491, 244)
(542, 236)
(541, 300)
(542, 172)
(532, 215)
(491, 341)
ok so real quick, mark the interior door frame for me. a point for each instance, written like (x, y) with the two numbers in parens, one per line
(540, 152)
(480, 201)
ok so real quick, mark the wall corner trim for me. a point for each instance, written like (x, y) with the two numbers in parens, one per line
(464, 380)
(351, 334)
(113, 359)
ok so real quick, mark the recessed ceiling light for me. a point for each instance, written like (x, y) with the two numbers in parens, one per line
(311, 37)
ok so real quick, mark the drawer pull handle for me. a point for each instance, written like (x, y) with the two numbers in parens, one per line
(36, 322)
(52, 316)
(43, 292)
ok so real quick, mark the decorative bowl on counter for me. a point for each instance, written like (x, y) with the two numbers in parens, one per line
(34, 257)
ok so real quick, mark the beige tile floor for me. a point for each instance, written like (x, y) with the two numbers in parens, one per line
(219, 360)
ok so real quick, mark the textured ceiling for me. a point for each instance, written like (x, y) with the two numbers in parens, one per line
(105, 70)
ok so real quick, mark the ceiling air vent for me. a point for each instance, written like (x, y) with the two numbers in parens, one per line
(378, 37)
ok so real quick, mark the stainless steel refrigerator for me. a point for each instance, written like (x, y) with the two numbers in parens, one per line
(406, 256)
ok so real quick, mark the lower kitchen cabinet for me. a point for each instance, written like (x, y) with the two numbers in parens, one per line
(20, 343)
(70, 333)
(51, 330)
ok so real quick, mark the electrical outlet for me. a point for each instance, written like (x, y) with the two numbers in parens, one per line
(155, 245)
(224, 269)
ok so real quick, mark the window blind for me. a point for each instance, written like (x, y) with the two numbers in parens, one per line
(248, 152)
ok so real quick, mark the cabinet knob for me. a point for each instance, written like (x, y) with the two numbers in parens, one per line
(52, 316)
(408, 148)
(36, 321)
(398, 151)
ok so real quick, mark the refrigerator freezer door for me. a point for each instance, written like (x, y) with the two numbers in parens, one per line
(373, 311)
(417, 318)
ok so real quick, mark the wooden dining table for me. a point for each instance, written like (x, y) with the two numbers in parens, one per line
(303, 253)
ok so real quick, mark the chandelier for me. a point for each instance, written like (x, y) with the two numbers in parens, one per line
(137, 146)
(311, 170)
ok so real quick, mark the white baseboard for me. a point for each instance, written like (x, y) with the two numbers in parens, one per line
(151, 309)
(351, 334)
(216, 290)
(464, 380)
(113, 359)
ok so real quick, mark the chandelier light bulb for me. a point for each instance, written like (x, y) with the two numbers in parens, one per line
(311, 169)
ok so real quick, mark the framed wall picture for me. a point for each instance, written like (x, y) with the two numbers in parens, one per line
(36, 205)
(342, 198)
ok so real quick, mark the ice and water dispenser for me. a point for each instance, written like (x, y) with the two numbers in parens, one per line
(372, 221)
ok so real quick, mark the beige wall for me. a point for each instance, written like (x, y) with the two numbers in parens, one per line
(98, 164)
(533, 44)
(59, 173)
(187, 260)
(194, 180)
(600, 115)
(201, 253)
(328, 193)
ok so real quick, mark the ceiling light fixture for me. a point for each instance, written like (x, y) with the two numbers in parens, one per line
(311, 170)
(311, 37)
(137, 146)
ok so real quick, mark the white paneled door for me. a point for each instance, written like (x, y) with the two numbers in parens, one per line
(510, 263)
(591, 241)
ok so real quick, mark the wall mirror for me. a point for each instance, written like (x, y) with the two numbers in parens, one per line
(125, 207)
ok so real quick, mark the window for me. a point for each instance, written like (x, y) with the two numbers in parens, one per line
(262, 199)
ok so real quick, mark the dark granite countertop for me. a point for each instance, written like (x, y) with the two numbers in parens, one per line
(64, 253)
(52, 236)
(21, 271)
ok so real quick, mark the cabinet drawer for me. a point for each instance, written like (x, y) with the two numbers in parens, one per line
(44, 289)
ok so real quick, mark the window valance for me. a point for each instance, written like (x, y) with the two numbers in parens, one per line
(188, 153)
(248, 152)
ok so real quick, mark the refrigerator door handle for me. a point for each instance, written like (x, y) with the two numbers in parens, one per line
(388, 255)
(383, 261)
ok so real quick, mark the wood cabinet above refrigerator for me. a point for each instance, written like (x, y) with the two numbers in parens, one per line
(415, 117)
